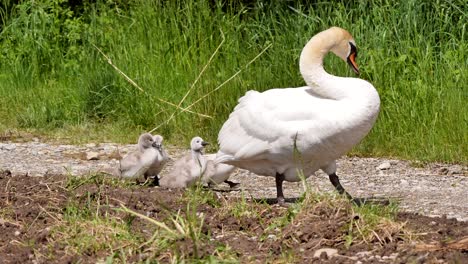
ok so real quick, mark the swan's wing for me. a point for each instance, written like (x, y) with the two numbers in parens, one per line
(262, 121)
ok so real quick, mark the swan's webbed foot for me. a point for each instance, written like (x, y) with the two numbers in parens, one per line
(232, 185)
(357, 201)
(150, 181)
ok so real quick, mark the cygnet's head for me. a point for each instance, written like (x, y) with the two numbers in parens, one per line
(146, 141)
(158, 139)
(197, 144)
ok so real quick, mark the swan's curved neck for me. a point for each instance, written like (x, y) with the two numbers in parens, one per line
(311, 67)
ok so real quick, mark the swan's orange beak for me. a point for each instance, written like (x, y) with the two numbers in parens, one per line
(352, 62)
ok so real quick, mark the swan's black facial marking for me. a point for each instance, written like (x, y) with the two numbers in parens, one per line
(353, 49)
(352, 58)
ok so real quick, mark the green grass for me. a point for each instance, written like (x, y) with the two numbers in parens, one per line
(54, 81)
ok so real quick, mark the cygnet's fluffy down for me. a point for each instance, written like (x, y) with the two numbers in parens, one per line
(217, 173)
(160, 160)
(188, 169)
(135, 164)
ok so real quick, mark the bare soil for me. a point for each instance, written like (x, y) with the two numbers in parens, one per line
(31, 206)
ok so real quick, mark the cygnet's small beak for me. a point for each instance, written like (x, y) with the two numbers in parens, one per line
(204, 143)
(157, 145)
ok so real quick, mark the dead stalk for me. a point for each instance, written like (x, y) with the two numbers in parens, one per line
(360, 232)
(153, 221)
(214, 90)
(128, 79)
(378, 238)
(198, 78)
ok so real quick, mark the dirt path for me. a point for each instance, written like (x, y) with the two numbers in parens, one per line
(432, 190)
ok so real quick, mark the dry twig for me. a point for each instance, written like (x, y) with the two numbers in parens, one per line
(141, 89)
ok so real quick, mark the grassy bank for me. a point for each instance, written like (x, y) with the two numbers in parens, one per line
(53, 79)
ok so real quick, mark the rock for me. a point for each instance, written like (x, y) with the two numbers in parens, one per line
(384, 166)
(443, 171)
(329, 253)
(4, 173)
(363, 254)
(455, 171)
(8, 147)
(90, 145)
(91, 155)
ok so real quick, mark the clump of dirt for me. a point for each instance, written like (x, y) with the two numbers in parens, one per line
(31, 207)
(318, 226)
(25, 204)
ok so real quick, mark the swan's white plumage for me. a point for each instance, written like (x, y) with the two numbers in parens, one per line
(216, 173)
(323, 120)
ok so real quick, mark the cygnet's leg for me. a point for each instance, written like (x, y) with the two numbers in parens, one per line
(232, 185)
(279, 189)
(336, 182)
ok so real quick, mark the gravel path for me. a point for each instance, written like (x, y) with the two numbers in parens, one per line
(433, 190)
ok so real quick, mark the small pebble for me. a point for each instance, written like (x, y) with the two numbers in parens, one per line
(271, 237)
(384, 166)
(329, 252)
(90, 145)
(92, 155)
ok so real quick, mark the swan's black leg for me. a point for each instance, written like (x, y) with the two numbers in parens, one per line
(358, 201)
(279, 189)
(336, 182)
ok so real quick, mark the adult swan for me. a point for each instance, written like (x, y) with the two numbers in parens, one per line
(280, 132)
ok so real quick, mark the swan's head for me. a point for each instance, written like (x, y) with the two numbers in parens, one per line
(344, 47)
(197, 144)
(146, 141)
(158, 139)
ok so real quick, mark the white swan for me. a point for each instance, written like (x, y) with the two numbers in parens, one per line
(187, 170)
(322, 120)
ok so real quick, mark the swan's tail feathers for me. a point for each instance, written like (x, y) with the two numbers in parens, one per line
(223, 158)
